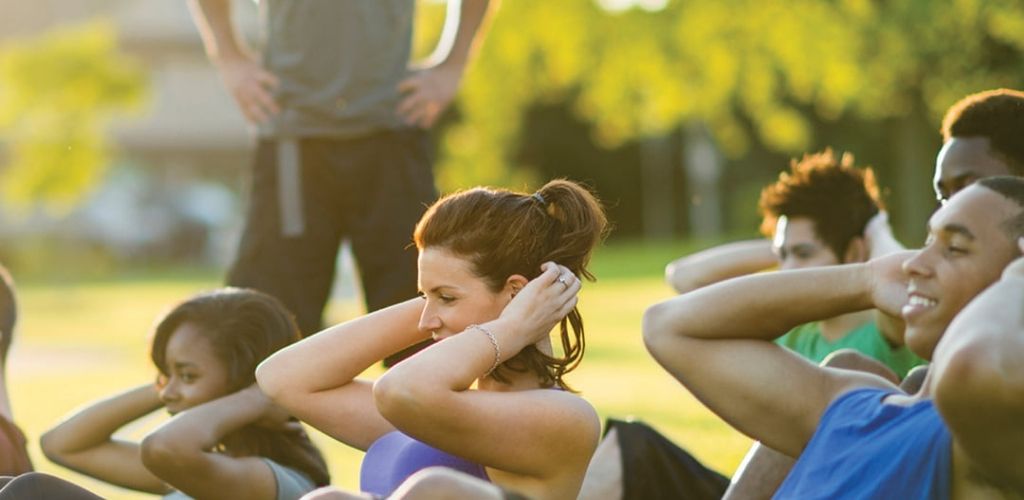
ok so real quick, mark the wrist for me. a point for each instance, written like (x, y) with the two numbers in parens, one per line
(507, 336)
(226, 56)
(862, 284)
(254, 398)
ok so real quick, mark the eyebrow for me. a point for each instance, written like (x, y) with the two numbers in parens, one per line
(957, 229)
(184, 364)
(438, 288)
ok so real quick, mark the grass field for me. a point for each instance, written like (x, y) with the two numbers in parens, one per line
(78, 341)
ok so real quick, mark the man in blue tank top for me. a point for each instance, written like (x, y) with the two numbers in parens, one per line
(859, 437)
(981, 138)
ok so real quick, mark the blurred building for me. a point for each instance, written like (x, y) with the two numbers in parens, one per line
(173, 192)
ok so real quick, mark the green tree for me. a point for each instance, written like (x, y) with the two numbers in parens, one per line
(752, 71)
(57, 92)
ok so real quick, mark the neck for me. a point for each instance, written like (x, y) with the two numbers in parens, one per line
(517, 381)
(925, 392)
(838, 327)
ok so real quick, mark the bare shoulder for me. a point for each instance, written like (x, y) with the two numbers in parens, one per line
(840, 381)
(570, 415)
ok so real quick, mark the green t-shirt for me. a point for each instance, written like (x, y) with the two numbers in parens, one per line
(807, 341)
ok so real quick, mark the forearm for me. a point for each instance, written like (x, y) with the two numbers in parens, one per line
(983, 345)
(463, 31)
(719, 263)
(762, 306)
(426, 382)
(213, 20)
(96, 423)
(336, 356)
(202, 427)
(716, 341)
(979, 380)
(315, 379)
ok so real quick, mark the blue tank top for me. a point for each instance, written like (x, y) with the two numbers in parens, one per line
(393, 457)
(864, 448)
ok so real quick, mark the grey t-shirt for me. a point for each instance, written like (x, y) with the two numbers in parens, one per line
(338, 63)
(291, 484)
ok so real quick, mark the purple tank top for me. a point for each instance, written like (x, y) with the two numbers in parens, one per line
(393, 457)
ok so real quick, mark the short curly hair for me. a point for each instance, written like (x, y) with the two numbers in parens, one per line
(997, 115)
(838, 197)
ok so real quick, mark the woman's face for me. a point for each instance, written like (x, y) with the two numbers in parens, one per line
(455, 296)
(194, 374)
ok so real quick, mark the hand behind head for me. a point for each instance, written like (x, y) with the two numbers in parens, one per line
(543, 302)
(889, 282)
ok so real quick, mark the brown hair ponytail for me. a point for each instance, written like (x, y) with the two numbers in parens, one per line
(504, 233)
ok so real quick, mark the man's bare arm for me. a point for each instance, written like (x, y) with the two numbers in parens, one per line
(431, 89)
(979, 380)
(719, 263)
(249, 83)
(717, 342)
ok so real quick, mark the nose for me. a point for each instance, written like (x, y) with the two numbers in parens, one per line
(429, 321)
(169, 392)
(917, 264)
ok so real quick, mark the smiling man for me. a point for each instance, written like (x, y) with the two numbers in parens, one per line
(847, 426)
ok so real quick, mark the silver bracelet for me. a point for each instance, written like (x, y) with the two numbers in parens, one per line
(494, 342)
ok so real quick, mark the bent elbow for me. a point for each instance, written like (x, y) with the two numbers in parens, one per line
(272, 381)
(397, 400)
(682, 279)
(653, 327)
(52, 447)
(160, 453)
(976, 375)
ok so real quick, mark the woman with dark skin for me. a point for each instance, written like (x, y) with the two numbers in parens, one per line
(225, 438)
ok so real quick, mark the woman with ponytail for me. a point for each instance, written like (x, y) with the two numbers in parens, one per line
(498, 270)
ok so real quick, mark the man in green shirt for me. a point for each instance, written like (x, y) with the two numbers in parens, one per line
(823, 211)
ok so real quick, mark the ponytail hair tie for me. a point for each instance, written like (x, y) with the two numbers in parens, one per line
(540, 199)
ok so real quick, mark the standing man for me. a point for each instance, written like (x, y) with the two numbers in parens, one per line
(343, 149)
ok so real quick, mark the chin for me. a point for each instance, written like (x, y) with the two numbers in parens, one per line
(921, 341)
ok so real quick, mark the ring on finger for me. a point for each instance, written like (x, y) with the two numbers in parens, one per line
(561, 279)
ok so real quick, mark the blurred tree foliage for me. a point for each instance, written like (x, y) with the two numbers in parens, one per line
(57, 91)
(764, 76)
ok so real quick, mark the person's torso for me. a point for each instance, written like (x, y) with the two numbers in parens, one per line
(864, 448)
(291, 483)
(808, 341)
(338, 63)
(393, 457)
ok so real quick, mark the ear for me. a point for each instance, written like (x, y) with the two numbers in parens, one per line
(515, 283)
(856, 251)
